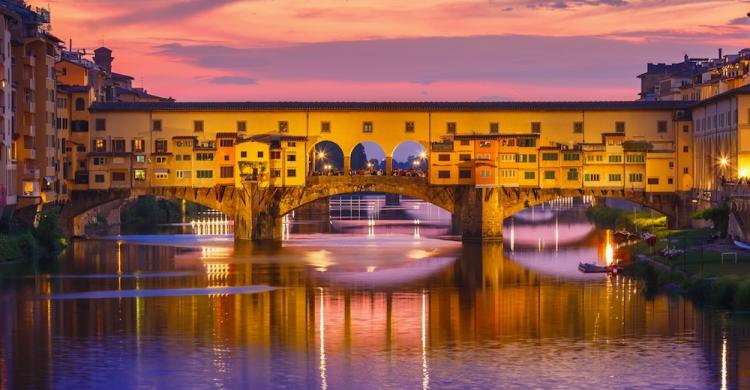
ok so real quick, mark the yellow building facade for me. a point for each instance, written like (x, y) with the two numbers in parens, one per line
(604, 145)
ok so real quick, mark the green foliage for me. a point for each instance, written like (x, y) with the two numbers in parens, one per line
(9, 249)
(614, 218)
(742, 296)
(637, 146)
(718, 215)
(48, 232)
(28, 246)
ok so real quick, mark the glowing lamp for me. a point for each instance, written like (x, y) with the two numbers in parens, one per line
(723, 161)
(743, 172)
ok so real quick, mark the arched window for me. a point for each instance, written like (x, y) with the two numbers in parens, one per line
(80, 104)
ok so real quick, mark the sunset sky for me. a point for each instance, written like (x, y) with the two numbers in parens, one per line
(217, 50)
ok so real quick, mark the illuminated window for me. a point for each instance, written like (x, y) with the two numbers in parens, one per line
(139, 174)
(100, 145)
(140, 159)
(138, 145)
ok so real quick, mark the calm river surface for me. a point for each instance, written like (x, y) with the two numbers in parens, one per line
(380, 302)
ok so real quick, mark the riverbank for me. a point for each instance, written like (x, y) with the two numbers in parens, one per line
(710, 270)
(25, 248)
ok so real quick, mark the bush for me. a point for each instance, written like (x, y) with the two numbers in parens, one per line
(9, 249)
(718, 215)
(48, 232)
(723, 291)
(28, 246)
(742, 296)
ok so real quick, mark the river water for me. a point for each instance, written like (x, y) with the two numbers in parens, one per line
(379, 301)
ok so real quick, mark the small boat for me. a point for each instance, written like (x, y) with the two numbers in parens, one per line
(589, 268)
(742, 245)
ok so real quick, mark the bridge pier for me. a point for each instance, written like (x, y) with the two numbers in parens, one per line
(478, 214)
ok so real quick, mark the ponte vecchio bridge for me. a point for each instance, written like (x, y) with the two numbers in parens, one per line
(482, 162)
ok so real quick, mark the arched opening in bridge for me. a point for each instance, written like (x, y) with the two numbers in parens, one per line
(409, 158)
(367, 158)
(157, 215)
(326, 158)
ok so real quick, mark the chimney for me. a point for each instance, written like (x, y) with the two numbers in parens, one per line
(720, 52)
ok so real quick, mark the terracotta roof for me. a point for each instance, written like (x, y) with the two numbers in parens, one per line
(390, 106)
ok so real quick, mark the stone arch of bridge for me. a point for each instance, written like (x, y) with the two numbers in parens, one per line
(326, 187)
(515, 200)
(408, 151)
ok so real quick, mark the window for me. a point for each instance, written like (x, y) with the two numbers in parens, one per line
(444, 157)
(572, 174)
(118, 176)
(635, 158)
(536, 127)
(79, 126)
(325, 127)
(118, 145)
(615, 158)
(81, 149)
(591, 177)
(636, 177)
(571, 156)
(485, 144)
(483, 156)
(156, 125)
(204, 156)
(578, 127)
(275, 172)
(184, 174)
(685, 170)
(671, 164)
(615, 177)
(275, 155)
(99, 178)
(494, 127)
(685, 128)
(140, 159)
(241, 126)
(507, 173)
(139, 174)
(661, 126)
(527, 143)
(161, 159)
(80, 104)
(178, 157)
(367, 127)
(226, 142)
(226, 172)
(137, 145)
(161, 175)
(620, 127)
(198, 126)
(670, 180)
(549, 156)
(685, 149)
(409, 127)
(283, 127)
(291, 173)
(444, 174)
(464, 157)
(529, 175)
(450, 127)
(100, 145)
(464, 173)
(485, 173)
(260, 154)
(243, 154)
(653, 180)
(101, 124)
(465, 142)
(186, 157)
(549, 175)
(99, 161)
(291, 157)
(204, 174)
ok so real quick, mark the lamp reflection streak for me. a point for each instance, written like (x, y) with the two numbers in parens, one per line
(425, 368)
(323, 377)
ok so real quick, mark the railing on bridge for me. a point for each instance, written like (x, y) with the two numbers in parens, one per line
(355, 180)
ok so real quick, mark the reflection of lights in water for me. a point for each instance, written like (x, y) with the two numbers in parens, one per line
(557, 235)
(217, 274)
(425, 368)
(119, 264)
(416, 228)
(609, 253)
(371, 227)
(212, 224)
(286, 226)
(724, 373)
(321, 259)
(208, 252)
(417, 254)
(323, 379)
(371, 268)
